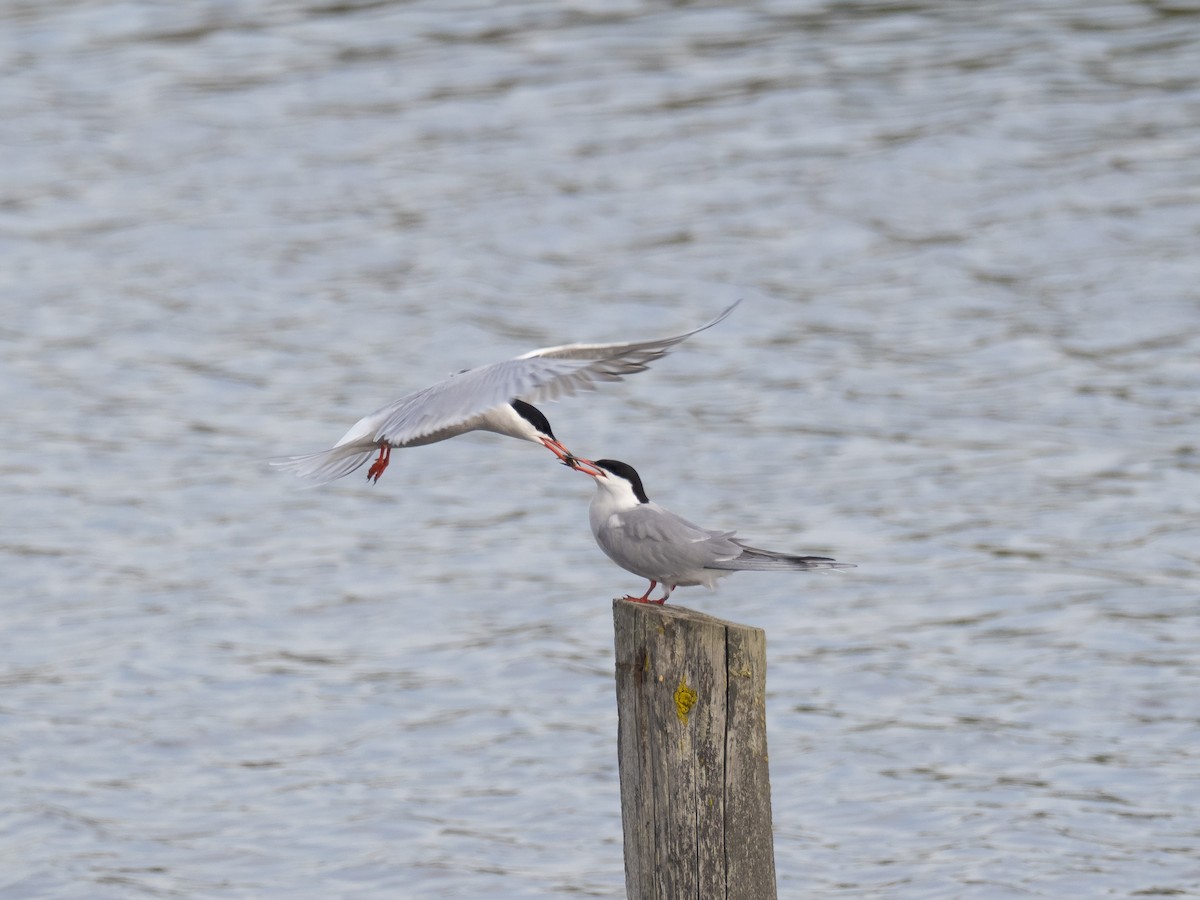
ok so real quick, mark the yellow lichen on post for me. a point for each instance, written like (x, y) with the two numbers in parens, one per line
(685, 699)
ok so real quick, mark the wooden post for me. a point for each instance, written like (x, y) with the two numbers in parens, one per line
(692, 745)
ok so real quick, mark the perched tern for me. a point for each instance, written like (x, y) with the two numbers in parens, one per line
(649, 540)
(488, 398)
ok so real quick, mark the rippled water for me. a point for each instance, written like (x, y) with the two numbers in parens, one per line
(968, 360)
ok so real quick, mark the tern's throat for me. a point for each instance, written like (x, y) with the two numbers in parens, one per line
(614, 495)
(503, 419)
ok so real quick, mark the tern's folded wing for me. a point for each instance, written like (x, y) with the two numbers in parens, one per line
(656, 543)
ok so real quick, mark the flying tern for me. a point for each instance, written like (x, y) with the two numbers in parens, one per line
(493, 398)
(649, 540)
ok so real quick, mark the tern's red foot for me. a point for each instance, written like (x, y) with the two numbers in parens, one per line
(381, 462)
(645, 598)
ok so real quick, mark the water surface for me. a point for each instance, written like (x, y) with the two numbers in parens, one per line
(968, 360)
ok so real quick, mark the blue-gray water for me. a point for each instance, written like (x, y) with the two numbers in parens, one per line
(968, 360)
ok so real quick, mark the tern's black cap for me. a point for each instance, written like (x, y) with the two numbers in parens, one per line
(626, 471)
(533, 416)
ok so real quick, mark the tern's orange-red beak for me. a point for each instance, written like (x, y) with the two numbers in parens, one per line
(586, 466)
(557, 449)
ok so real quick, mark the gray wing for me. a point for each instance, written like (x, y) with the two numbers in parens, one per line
(459, 398)
(544, 374)
(633, 356)
(656, 543)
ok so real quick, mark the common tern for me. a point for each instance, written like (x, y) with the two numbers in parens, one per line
(649, 540)
(493, 398)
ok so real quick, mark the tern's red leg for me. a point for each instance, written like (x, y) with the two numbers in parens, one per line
(645, 598)
(381, 462)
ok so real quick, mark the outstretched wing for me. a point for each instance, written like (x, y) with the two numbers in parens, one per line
(544, 374)
(634, 356)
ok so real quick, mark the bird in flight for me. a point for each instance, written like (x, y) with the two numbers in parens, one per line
(496, 397)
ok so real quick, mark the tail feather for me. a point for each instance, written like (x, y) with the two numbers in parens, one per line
(326, 466)
(754, 559)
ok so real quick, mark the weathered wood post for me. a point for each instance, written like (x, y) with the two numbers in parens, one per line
(692, 746)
